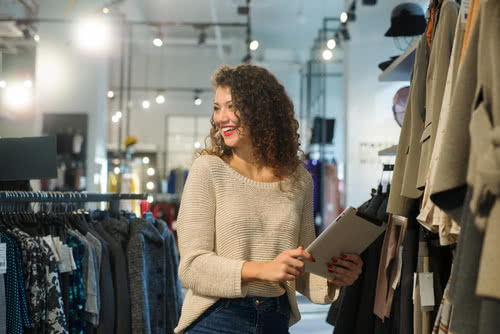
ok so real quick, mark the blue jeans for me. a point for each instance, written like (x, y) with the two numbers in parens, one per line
(250, 315)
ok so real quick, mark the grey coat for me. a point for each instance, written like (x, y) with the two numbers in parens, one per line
(147, 268)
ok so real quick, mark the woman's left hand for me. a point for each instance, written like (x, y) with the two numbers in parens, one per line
(345, 270)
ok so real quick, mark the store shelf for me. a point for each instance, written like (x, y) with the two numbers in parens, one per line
(390, 151)
(400, 69)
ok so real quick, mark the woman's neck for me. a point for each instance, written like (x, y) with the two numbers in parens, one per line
(244, 162)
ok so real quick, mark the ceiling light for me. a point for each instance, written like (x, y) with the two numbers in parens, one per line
(115, 119)
(197, 101)
(36, 38)
(17, 96)
(157, 41)
(111, 94)
(197, 145)
(160, 99)
(3, 83)
(344, 17)
(331, 44)
(150, 185)
(254, 45)
(145, 160)
(327, 54)
(116, 170)
(105, 10)
(28, 84)
(151, 171)
(146, 104)
(93, 35)
(118, 114)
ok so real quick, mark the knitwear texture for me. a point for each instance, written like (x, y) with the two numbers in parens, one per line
(226, 219)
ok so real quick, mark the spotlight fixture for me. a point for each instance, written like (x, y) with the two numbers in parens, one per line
(118, 114)
(197, 99)
(17, 96)
(160, 99)
(94, 35)
(116, 170)
(345, 33)
(150, 171)
(197, 145)
(111, 94)
(150, 185)
(254, 45)
(202, 38)
(36, 38)
(115, 119)
(331, 44)
(344, 17)
(145, 160)
(146, 104)
(158, 41)
(327, 54)
(105, 10)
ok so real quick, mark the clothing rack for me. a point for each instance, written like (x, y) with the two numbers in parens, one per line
(68, 197)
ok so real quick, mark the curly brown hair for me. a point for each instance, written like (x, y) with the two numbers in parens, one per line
(267, 113)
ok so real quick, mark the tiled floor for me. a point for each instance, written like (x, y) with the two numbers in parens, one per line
(313, 318)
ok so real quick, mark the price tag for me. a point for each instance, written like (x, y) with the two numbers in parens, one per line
(465, 10)
(3, 258)
(426, 291)
(65, 266)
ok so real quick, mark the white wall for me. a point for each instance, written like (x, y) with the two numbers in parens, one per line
(370, 125)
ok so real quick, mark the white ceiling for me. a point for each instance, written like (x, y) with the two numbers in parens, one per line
(277, 24)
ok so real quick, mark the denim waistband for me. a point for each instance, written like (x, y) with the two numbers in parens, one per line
(261, 303)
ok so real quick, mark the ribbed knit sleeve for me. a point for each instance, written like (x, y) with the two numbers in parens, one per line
(315, 288)
(200, 269)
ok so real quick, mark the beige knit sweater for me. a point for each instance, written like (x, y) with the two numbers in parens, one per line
(226, 219)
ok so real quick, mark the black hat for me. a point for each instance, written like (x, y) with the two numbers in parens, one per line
(407, 19)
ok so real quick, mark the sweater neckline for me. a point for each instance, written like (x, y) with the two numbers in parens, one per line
(247, 180)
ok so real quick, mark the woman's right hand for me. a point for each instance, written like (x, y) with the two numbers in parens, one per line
(285, 267)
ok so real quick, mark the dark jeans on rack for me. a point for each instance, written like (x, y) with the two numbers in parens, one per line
(250, 315)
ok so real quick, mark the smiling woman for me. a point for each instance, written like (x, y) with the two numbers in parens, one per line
(246, 216)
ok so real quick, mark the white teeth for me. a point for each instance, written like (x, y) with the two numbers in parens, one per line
(229, 129)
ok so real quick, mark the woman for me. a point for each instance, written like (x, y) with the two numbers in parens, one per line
(246, 216)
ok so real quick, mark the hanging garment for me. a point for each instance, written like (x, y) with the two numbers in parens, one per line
(16, 305)
(403, 186)
(145, 251)
(120, 279)
(431, 216)
(352, 312)
(76, 316)
(173, 290)
(3, 306)
(389, 268)
(437, 70)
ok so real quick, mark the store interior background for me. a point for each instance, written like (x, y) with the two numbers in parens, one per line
(68, 79)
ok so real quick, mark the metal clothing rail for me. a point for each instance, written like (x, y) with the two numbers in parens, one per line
(67, 197)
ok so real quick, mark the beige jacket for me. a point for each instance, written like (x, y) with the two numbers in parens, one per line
(439, 63)
(403, 189)
(484, 159)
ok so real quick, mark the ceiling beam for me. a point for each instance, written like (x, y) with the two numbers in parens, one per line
(218, 34)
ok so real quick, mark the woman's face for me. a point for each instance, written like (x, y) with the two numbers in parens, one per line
(226, 118)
